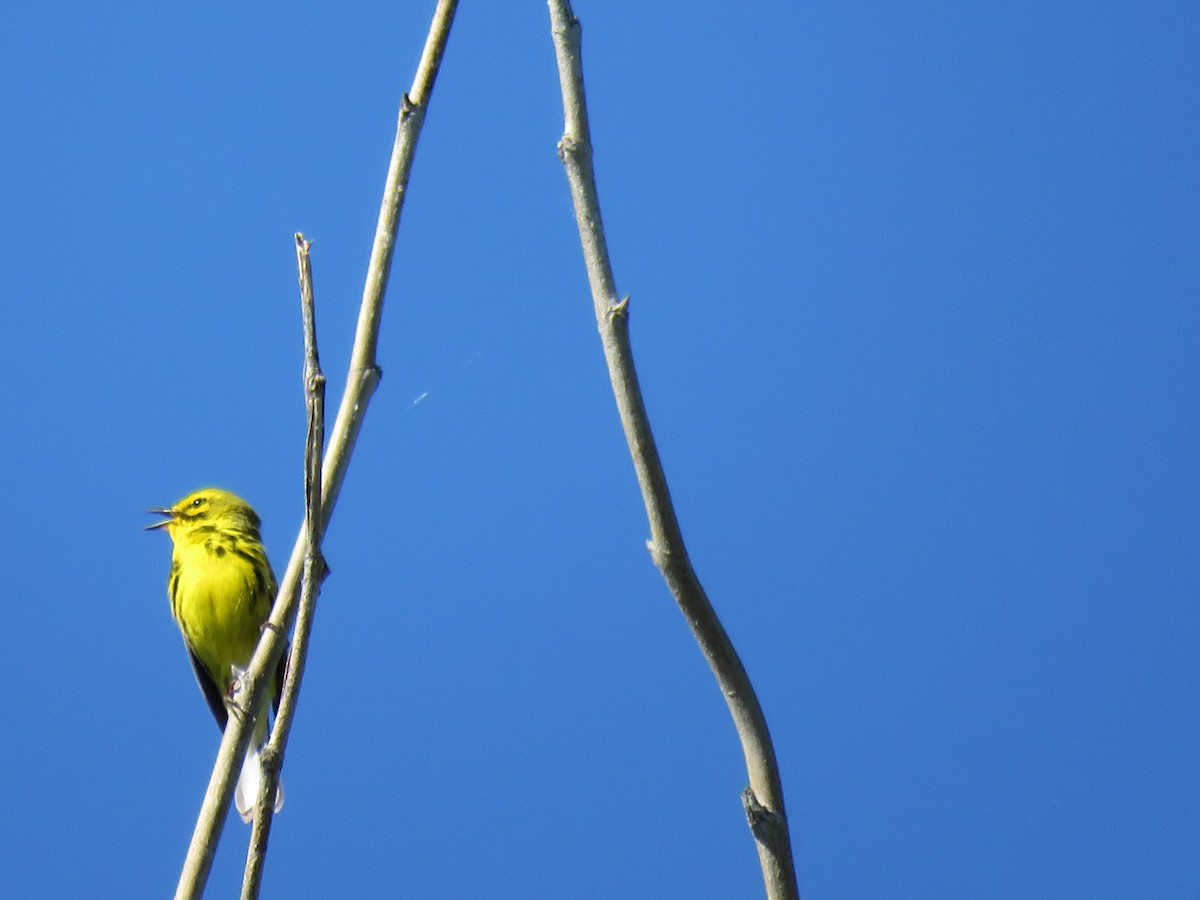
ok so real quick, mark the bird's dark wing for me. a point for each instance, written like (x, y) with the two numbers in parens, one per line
(280, 672)
(212, 693)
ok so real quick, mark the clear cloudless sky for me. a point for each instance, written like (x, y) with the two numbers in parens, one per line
(915, 306)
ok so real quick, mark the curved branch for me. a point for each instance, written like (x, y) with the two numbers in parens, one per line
(763, 799)
(361, 381)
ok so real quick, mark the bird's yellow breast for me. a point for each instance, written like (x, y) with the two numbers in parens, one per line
(218, 601)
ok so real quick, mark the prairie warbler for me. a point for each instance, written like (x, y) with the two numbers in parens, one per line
(221, 589)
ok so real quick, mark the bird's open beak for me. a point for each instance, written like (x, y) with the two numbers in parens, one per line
(170, 517)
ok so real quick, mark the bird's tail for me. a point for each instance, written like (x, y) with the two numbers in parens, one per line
(249, 784)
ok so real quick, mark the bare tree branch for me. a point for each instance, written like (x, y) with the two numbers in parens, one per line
(763, 799)
(360, 385)
(310, 583)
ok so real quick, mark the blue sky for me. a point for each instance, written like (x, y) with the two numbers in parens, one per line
(914, 302)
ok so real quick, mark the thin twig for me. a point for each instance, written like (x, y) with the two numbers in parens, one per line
(312, 576)
(361, 381)
(763, 799)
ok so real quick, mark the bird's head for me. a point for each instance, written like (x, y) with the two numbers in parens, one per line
(211, 507)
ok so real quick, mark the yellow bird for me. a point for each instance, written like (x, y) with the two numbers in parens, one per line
(221, 589)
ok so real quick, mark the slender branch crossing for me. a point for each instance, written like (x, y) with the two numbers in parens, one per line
(360, 385)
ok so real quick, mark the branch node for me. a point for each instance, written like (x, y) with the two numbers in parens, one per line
(765, 824)
(407, 107)
(321, 569)
(567, 147)
(370, 376)
(659, 555)
(572, 24)
(270, 759)
(619, 310)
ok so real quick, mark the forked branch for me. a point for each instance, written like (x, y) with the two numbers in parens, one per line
(763, 799)
(360, 385)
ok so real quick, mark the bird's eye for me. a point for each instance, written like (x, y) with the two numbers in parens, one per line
(197, 503)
